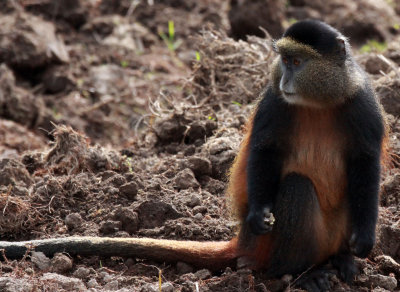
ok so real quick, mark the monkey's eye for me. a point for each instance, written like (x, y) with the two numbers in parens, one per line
(296, 62)
(285, 60)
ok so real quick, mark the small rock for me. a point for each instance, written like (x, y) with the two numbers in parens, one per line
(154, 214)
(6, 268)
(122, 234)
(373, 281)
(128, 218)
(112, 190)
(183, 268)
(105, 276)
(112, 285)
(379, 289)
(129, 190)
(165, 287)
(67, 283)
(57, 79)
(129, 262)
(188, 277)
(170, 129)
(92, 283)
(73, 220)
(389, 283)
(200, 166)
(8, 284)
(213, 186)
(203, 274)
(105, 175)
(194, 201)
(198, 216)
(387, 264)
(109, 226)
(116, 180)
(81, 273)
(30, 42)
(195, 131)
(186, 179)
(189, 150)
(150, 139)
(200, 209)
(61, 263)
(40, 260)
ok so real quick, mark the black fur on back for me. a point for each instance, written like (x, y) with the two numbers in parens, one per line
(317, 34)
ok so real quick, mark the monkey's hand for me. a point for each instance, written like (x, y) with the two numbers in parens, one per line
(261, 222)
(361, 243)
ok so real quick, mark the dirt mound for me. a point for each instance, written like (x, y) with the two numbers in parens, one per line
(231, 71)
(122, 118)
(359, 20)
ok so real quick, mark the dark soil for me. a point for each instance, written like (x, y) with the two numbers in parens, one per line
(106, 129)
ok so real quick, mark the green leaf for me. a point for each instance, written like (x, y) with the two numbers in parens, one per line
(171, 30)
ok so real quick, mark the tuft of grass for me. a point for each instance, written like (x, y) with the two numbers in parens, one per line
(373, 46)
(169, 39)
(198, 57)
(124, 64)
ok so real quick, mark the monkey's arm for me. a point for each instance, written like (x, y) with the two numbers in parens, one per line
(264, 162)
(363, 170)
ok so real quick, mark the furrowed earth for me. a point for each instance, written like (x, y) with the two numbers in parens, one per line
(122, 119)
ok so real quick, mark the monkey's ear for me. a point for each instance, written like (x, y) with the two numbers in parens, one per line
(342, 45)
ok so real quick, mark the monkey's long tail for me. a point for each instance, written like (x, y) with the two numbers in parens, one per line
(213, 255)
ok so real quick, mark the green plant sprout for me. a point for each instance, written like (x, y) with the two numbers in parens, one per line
(237, 103)
(198, 57)
(169, 40)
(373, 46)
(124, 64)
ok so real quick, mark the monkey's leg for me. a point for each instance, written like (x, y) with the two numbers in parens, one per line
(298, 220)
(297, 231)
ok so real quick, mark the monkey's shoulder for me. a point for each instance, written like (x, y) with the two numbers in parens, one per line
(361, 117)
(272, 118)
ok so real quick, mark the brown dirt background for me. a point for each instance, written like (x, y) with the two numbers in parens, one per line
(105, 131)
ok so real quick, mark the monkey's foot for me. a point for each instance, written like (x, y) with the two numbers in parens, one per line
(315, 280)
(346, 267)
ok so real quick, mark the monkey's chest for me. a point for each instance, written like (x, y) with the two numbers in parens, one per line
(317, 151)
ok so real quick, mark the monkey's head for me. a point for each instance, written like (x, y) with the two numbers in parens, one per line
(315, 66)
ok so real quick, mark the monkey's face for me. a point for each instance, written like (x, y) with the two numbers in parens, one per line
(291, 67)
(304, 77)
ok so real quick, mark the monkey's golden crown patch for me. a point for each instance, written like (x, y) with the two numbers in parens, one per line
(288, 46)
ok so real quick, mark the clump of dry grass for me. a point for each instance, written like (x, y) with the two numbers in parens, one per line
(72, 153)
(15, 214)
(228, 70)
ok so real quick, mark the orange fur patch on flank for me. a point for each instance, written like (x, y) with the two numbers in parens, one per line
(237, 187)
